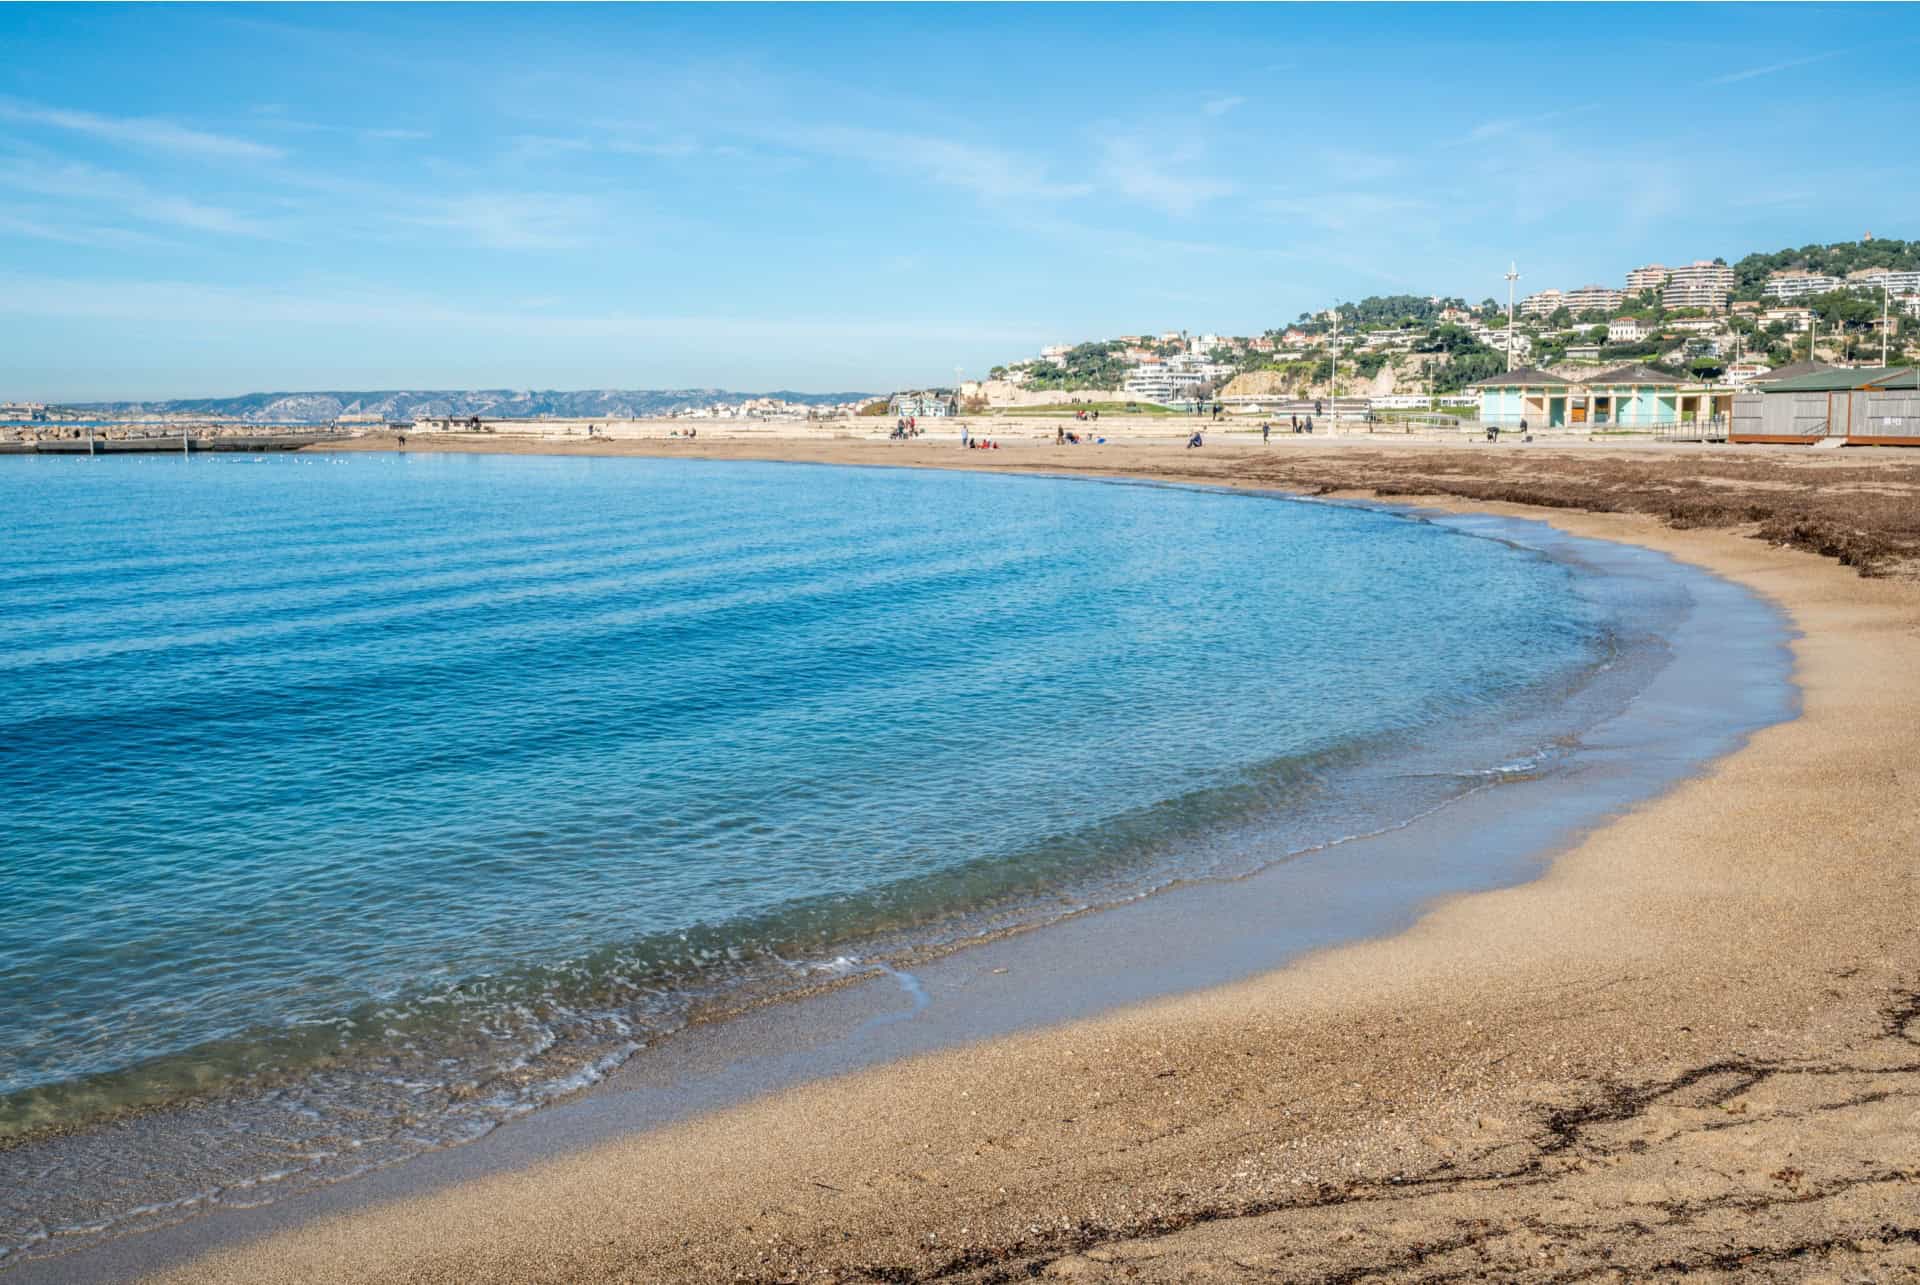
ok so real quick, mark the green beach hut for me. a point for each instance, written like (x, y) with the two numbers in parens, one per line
(1539, 397)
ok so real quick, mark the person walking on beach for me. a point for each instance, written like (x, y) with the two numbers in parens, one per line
(1296, 421)
(1309, 425)
(1266, 432)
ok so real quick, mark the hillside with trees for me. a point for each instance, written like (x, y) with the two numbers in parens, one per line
(1836, 260)
(1400, 341)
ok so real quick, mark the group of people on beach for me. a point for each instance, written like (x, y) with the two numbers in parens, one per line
(1266, 429)
(973, 443)
(905, 427)
(1061, 437)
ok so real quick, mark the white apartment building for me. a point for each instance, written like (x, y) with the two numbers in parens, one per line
(1595, 298)
(1542, 303)
(1875, 278)
(1796, 284)
(1651, 277)
(1171, 380)
(1627, 330)
(1701, 284)
(1056, 353)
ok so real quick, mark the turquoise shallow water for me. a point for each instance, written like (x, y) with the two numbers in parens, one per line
(424, 788)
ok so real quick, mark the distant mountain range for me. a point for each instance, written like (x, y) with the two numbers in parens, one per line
(493, 403)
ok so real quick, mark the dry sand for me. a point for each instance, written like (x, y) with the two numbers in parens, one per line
(1693, 1047)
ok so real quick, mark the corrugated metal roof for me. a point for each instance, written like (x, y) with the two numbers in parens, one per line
(1793, 370)
(1840, 381)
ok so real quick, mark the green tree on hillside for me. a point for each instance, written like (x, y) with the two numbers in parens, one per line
(1475, 361)
(1850, 309)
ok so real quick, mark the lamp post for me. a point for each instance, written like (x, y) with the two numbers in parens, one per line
(1883, 322)
(1513, 275)
(1333, 373)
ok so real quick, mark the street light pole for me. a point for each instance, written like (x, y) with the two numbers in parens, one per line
(1883, 323)
(1333, 374)
(1513, 275)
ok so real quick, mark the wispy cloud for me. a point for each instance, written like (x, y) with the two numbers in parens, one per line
(1347, 211)
(1491, 129)
(141, 132)
(274, 116)
(362, 304)
(991, 173)
(516, 220)
(536, 147)
(127, 197)
(1165, 178)
(1221, 106)
(1751, 72)
(76, 234)
(668, 148)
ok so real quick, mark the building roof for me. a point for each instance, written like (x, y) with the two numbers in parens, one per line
(1794, 369)
(1634, 374)
(1525, 376)
(1845, 379)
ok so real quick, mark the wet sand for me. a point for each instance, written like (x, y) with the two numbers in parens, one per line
(1692, 1046)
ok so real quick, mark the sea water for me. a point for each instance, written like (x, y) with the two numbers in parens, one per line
(380, 798)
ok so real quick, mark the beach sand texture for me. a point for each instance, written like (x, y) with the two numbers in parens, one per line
(1692, 1047)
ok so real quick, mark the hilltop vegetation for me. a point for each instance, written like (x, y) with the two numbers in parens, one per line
(1093, 365)
(1387, 311)
(1836, 260)
(1438, 344)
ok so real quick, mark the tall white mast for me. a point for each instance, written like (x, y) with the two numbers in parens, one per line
(1513, 275)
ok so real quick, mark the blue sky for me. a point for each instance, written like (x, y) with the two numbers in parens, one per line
(214, 200)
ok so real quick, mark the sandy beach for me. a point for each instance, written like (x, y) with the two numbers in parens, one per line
(1692, 1047)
